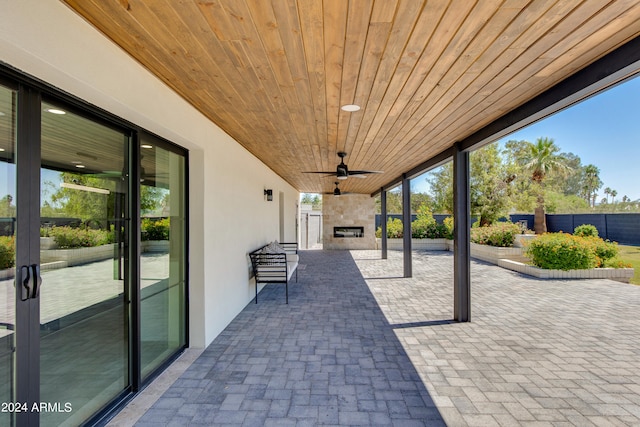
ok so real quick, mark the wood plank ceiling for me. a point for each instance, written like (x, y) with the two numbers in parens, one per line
(274, 74)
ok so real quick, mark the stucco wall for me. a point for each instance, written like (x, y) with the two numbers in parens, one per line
(353, 210)
(228, 213)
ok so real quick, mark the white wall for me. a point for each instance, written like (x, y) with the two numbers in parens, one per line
(228, 213)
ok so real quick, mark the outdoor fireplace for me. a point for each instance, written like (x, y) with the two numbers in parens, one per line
(348, 231)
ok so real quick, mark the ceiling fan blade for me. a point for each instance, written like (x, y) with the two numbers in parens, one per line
(363, 172)
(342, 193)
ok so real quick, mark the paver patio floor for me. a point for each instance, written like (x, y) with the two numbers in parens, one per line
(359, 345)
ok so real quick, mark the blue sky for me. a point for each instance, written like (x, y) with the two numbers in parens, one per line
(604, 130)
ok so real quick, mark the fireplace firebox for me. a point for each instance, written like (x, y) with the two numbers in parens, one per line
(348, 231)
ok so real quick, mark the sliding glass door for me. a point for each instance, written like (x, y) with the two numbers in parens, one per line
(162, 261)
(84, 301)
(7, 248)
(92, 258)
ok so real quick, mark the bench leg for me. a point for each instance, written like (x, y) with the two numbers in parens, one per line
(256, 292)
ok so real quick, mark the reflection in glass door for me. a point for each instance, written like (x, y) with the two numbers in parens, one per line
(7, 248)
(84, 300)
(83, 321)
(163, 256)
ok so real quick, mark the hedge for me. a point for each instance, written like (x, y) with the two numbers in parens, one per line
(7, 252)
(562, 251)
(501, 234)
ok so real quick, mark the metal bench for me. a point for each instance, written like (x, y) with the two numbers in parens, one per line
(275, 264)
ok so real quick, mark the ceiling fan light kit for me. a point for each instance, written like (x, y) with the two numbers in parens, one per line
(336, 191)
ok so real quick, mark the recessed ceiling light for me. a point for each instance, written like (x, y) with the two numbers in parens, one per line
(1, 149)
(350, 107)
(146, 146)
(55, 111)
(80, 166)
(1, 114)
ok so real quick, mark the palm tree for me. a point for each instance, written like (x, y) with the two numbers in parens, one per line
(607, 191)
(591, 183)
(541, 158)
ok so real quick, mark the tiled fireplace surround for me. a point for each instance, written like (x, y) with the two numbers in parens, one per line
(352, 210)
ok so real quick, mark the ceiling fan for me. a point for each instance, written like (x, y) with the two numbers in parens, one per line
(343, 172)
(336, 191)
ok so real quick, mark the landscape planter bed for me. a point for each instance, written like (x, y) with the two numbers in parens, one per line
(618, 274)
(417, 244)
(78, 256)
(513, 258)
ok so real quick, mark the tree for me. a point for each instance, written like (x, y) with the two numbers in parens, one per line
(607, 191)
(7, 208)
(567, 181)
(312, 199)
(419, 200)
(542, 157)
(488, 185)
(394, 202)
(153, 199)
(441, 183)
(522, 194)
(96, 207)
(590, 184)
(490, 181)
(556, 202)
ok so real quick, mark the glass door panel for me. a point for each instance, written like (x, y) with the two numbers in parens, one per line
(7, 248)
(84, 299)
(163, 254)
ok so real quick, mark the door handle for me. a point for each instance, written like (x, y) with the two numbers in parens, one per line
(37, 280)
(29, 281)
(25, 283)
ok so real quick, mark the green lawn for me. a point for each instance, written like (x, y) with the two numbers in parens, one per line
(631, 254)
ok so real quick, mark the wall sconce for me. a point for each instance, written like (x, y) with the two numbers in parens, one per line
(269, 194)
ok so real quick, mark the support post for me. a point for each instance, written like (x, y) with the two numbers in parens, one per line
(461, 238)
(383, 221)
(406, 225)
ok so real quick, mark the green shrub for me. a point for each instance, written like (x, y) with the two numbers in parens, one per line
(155, 229)
(425, 225)
(561, 251)
(430, 231)
(617, 263)
(604, 250)
(7, 252)
(394, 229)
(586, 230)
(501, 234)
(69, 237)
(448, 224)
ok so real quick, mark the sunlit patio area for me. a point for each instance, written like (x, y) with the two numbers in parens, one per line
(360, 345)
